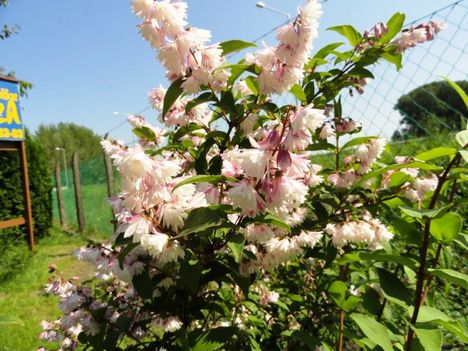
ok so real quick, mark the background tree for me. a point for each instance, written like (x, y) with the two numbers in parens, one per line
(433, 108)
(71, 137)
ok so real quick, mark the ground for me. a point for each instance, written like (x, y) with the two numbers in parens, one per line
(23, 303)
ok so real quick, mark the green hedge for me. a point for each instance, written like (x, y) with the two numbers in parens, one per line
(13, 249)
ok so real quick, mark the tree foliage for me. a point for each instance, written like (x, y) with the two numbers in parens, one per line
(431, 108)
(71, 137)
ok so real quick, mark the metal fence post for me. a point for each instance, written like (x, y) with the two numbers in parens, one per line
(78, 197)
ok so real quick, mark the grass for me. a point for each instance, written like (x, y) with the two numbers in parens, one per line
(23, 304)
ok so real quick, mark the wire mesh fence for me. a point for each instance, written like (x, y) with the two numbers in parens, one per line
(94, 192)
(446, 56)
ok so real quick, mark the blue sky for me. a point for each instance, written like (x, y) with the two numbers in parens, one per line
(86, 58)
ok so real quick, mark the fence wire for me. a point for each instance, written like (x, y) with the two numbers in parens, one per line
(446, 56)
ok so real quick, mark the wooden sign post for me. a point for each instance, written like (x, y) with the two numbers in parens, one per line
(12, 139)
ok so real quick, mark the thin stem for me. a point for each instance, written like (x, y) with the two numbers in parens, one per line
(421, 275)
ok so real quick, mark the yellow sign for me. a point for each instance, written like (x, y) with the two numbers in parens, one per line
(11, 125)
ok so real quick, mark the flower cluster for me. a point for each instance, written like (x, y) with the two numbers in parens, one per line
(182, 50)
(369, 231)
(283, 65)
(413, 36)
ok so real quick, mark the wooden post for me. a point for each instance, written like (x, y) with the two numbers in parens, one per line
(77, 186)
(27, 196)
(58, 187)
(109, 173)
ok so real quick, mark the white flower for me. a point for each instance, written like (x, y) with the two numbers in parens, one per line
(244, 196)
(155, 244)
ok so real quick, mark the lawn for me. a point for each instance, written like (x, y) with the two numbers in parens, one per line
(23, 303)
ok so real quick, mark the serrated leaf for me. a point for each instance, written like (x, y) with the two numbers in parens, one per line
(172, 94)
(435, 153)
(447, 227)
(374, 330)
(212, 179)
(231, 46)
(349, 32)
(455, 277)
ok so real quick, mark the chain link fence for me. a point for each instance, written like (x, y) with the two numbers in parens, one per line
(446, 56)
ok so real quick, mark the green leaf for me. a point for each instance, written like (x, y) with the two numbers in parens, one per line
(394, 25)
(200, 219)
(212, 179)
(430, 339)
(454, 327)
(337, 291)
(190, 271)
(353, 36)
(420, 214)
(298, 93)
(326, 50)
(393, 58)
(361, 72)
(144, 133)
(200, 99)
(231, 46)
(447, 227)
(357, 141)
(462, 138)
(172, 94)
(308, 340)
(417, 165)
(378, 256)
(374, 330)
(393, 289)
(464, 154)
(272, 220)
(252, 84)
(236, 244)
(435, 153)
(142, 285)
(429, 314)
(455, 277)
(125, 252)
(213, 339)
(459, 90)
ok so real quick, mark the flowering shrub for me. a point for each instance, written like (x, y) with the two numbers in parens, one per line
(229, 235)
